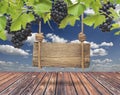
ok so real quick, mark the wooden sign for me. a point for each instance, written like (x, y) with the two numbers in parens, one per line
(61, 55)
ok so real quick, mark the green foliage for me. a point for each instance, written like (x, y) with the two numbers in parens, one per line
(68, 20)
(2, 27)
(21, 21)
(94, 20)
(76, 9)
(42, 7)
(117, 33)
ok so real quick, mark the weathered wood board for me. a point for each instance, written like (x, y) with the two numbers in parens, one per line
(61, 54)
(59, 83)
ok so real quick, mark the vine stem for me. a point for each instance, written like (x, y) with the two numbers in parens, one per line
(105, 14)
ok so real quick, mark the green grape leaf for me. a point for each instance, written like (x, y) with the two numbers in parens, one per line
(22, 20)
(117, 33)
(68, 20)
(76, 9)
(115, 26)
(3, 35)
(96, 19)
(99, 20)
(3, 6)
(46, 17)
(2, 27)
(87, 2)
(90, 20)
(2, 23)
(96, 5)
(43, 7)
(118, 1)
(114, 13)
(69, 2)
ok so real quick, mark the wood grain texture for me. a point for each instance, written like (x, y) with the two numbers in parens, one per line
(60, 83)
(61, 55)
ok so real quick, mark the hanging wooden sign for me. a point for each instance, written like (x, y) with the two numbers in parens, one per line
(61, 55)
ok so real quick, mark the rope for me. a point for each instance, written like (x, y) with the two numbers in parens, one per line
(39, 46)
(39, 26)
(82, 40)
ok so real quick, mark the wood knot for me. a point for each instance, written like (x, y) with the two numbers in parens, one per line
(82, 37)
(39, 37)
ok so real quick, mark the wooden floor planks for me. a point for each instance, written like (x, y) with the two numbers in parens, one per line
(59, 83)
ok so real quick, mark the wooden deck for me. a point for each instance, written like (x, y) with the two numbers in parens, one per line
(52, 83)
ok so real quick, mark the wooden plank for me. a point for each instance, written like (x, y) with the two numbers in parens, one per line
(10, 76)
(15, 85)
(105, 83)
(60, 84)
(63, 62)
(11, 81)
(18, 90)
(68, 85)
(81, 90)
(40, 90)
(2, 74)
(50, 90)
(63, 50)
(90, 88)
(109, 80)
(5, 76)
(31, 88)
(99, 87)
(112, 77)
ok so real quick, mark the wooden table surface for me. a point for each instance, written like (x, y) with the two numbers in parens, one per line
(59, 83)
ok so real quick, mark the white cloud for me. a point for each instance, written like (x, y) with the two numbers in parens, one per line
(89, 11)
(32, 39)
(7, 49)
(105, 61)
(106, 44)
(6, 63)
(75, 41)
(98, 52)
(94, 45)
(55, 38)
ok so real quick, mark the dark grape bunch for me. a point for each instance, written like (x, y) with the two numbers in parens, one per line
(8, 23)
(20, 36)
(59, 11)
(105, 10)
(29, 9)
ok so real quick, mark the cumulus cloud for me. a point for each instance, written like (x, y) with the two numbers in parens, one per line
(32, 39)
(7, 49)
(106, 44)
(55, 38)
(98, 61)
(94, 45)
(98, 52)
(6, 63)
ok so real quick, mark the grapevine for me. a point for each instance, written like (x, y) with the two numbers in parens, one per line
(105, 10)
(59, 11)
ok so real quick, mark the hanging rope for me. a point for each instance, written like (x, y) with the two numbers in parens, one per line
(82, 38)
(39, 37)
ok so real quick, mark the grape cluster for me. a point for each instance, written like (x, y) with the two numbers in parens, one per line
(105, 10)
(8, 23)
(59, 11)
(20, 36)
(29, 9)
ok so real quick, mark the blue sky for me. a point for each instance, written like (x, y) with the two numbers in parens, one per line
(105, 48)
